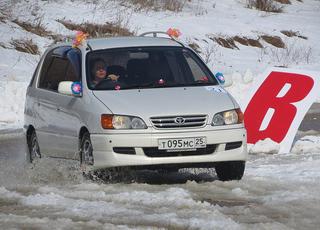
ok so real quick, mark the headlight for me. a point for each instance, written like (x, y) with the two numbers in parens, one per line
(109, 121)
(228, 117)
(121, 122)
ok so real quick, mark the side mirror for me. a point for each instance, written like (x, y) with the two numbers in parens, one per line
(220, 78)
(70, 88)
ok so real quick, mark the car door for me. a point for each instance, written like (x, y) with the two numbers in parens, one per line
(57, 121)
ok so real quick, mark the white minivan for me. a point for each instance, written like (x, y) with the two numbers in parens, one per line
(147, 102)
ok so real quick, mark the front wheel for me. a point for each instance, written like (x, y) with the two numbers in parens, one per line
(33, 147)
(86, 156)
(232, 170)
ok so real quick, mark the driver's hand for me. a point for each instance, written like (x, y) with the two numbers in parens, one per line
(113, 77)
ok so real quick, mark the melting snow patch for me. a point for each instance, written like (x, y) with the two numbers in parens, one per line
(6, 194)
(239, 192)
(248, 77)
(12, 99)
(264, 146)
(171, 208)
(238, 84)
(307, 144)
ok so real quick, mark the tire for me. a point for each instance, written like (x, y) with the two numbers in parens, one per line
(34, 149)
(232, 170)
(168, 170)
(86, 156)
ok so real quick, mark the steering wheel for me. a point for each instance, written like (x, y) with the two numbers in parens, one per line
(108, 84)
(105, 84)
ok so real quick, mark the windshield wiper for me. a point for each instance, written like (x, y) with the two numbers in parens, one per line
(166, 85)
(140, 86)
(202, 83)
(189, 84)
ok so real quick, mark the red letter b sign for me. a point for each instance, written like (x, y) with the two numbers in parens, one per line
(278, 106)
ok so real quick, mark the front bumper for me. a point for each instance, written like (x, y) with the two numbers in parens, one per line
(104, 144)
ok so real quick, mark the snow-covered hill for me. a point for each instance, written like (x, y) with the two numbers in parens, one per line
(203, 23)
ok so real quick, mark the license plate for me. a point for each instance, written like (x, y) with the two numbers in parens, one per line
(182, 143)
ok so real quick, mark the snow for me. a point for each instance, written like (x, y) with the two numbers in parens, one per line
(264, 146)
(197, 21)
(278, 191)
(307, 144)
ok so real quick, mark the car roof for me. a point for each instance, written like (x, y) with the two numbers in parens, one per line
(121, 42)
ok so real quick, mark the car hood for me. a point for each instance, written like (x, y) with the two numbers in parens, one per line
(146, 103)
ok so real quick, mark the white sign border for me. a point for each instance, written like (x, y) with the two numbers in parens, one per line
(302, 106)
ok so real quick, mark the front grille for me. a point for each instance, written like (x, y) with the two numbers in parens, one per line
(155, 152)
(185, 121)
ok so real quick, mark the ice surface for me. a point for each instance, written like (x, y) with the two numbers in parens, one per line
(276, 193)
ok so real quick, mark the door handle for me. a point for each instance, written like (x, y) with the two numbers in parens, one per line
(58, 109)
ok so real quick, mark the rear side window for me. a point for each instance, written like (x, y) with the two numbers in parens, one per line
(34, 75)
(70, 73)
(56, 69)
(54, 74)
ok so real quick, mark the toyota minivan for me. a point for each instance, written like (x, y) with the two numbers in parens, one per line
(168, 110)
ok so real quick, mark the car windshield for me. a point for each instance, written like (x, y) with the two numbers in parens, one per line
(149, 67)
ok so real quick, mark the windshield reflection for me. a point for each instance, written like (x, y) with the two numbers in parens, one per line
(139, 68)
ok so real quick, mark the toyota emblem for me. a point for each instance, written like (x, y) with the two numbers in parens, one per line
(179, 120)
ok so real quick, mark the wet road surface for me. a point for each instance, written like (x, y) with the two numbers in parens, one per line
(277, 192)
